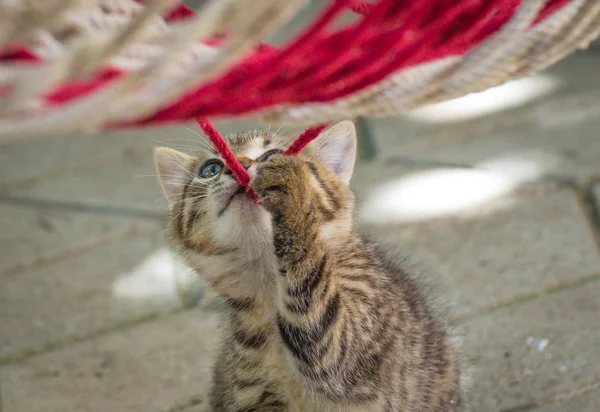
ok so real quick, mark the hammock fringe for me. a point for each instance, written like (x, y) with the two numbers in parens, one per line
(92, 65)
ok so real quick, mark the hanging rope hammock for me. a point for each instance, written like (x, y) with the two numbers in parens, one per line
(87, 65)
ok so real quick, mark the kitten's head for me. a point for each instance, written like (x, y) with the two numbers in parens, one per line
(210, 214)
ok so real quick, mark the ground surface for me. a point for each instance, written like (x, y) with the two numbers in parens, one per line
(495, 198)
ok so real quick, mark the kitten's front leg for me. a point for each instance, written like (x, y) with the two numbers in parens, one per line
(285, 188)
(311, 318)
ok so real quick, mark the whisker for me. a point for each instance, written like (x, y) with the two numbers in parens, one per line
(190, 129)
(179, 201)
(194, 198)
(177, 146)
(194, 148)
(202, 141)
(157, 175)
(278, 130)
(195, 219)
(185, 170)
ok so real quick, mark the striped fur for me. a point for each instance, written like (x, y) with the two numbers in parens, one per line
(318, 319)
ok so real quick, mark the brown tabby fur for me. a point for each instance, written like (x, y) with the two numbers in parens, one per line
(318, 320)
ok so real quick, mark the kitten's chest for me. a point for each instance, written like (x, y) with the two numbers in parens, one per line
(298, 396)
(282, 377)
(270, 377)
(261, 372)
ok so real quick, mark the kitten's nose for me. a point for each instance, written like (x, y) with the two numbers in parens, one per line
(246, 162)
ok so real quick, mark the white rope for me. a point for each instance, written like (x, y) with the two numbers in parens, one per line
(166, 80)
(256, 21)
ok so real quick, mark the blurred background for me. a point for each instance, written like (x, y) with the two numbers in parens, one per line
(494, 197)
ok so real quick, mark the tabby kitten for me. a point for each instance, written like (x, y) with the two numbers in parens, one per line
(317, 319)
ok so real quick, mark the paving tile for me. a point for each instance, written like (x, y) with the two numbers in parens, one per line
(534, 350)
(484, 254)
(38, 234)
(588, 402)
(555, 134)
(596, 197)
(124, 183)
(22, 162)
(85, 293)
(529, 152)
(369, 174)
(125, 180)
(25, 161)
(154, 367)
(202, 407)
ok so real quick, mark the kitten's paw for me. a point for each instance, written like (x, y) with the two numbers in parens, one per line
(283, 184)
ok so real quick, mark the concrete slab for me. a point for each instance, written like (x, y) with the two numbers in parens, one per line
(488, 253)
(588, 402)
(534, 351)
(528, 152)
(85, 294)
(123, 183)
(34, 235)
(22, 163)
(25, 162)
(369, 175)
(202, 407)
(154, 367)
(540, 126)
(121, 178)
(596, 198)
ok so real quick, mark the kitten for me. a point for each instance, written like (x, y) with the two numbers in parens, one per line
(317, 320)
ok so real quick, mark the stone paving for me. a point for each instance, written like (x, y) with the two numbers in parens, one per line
(499, 210)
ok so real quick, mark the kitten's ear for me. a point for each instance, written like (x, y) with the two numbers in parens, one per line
(336, 147)
(171, 167)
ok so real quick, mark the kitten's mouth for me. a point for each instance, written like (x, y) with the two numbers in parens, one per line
(240, 191)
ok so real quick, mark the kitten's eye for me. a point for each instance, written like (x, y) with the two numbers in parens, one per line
(211, 168)
(265, 157)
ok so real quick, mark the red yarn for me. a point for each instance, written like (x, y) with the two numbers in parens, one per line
(240, 173)
(18, 53)
(304, 139)
(80, 87)
(360, 7)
